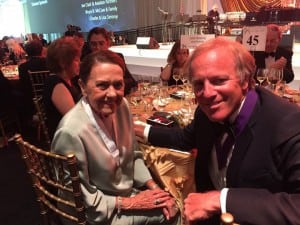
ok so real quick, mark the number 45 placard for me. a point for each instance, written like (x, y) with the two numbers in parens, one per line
(254, 38)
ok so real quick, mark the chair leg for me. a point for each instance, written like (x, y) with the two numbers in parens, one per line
(39, 128)
(3, 137)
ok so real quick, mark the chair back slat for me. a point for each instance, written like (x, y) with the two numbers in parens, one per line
(48, 172)
(37, 79)
(41, 113)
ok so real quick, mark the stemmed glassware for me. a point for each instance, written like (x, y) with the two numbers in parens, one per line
(261, 75)
(183, 78)
(176, 76)
(274, 77)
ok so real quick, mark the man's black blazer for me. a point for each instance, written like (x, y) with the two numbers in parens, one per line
(265, 161)
(288, 74)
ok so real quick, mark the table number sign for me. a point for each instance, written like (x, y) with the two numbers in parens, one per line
(254, 38)
(192, 41)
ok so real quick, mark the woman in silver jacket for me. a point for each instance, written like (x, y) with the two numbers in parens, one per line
(99, 130)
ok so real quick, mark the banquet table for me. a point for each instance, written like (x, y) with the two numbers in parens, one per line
(11, 72)
(172, 169)
(176, 102)
(288, 93)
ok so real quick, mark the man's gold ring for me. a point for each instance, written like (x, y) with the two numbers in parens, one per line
(156, 201)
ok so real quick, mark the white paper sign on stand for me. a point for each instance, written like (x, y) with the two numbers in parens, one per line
(254, 38)
(192, 41)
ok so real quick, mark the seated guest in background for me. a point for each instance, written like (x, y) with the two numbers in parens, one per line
(100, 39)
(112, 169)
(176, 62)
(60, 95)
(43, 40)
(44, 43)
(254, 173)
(212, 18)
(4, 52)
(7, 98)
(16, 53)
(35, 62)
(79, 38)
(274, 55)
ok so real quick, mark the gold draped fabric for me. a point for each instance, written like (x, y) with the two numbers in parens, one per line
(247, 5)
(173, 170)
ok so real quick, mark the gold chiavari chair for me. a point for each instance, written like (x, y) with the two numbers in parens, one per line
(48, 172)
(37, 79)
(42, 127)
(9, 125)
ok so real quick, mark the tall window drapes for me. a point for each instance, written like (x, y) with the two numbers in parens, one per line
(247, 5)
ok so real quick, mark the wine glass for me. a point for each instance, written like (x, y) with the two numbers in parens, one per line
(176, 76)
(183, 78)
(261, 75)
(274, 76)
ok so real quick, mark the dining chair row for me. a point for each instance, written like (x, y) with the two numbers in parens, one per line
(48, 171)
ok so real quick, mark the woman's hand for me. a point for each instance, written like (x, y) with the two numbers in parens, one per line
(171, 209)
(149, 199)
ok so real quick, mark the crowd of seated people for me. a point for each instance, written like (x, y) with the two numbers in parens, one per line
(62, 61)
(101, 92)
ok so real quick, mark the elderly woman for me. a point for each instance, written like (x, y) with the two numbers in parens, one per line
(176, 62)
(60, 94)
(99, 130)
(100, 39)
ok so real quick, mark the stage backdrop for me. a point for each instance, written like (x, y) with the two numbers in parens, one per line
(47, 16)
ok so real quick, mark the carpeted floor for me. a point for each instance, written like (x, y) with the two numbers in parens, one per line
(18, 204)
